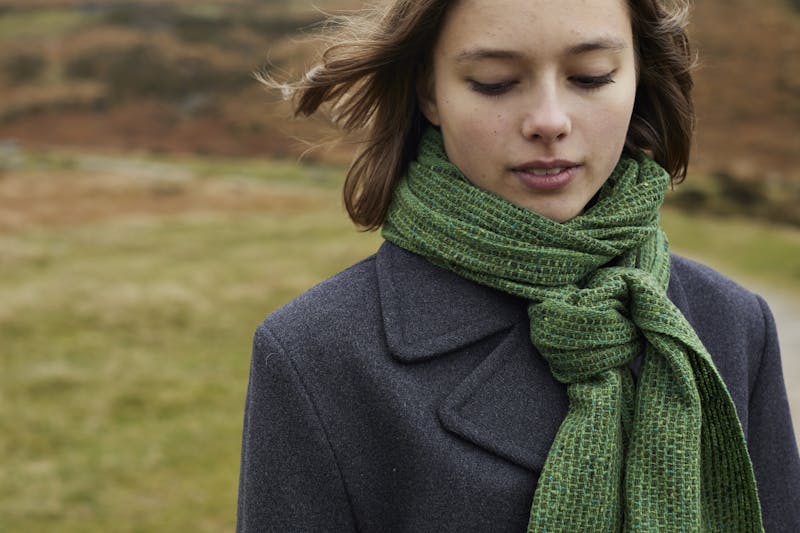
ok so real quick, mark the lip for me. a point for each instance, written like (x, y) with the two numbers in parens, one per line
(530, 174)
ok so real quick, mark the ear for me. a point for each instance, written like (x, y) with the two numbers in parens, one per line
(426, 96)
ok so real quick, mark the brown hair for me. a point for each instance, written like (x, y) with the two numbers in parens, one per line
(369, 70)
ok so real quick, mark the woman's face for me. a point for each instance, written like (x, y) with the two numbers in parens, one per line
(534, 97)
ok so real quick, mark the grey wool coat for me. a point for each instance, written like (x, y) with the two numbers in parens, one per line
(399, 397)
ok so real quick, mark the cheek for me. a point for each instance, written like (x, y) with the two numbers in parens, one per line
(475, 143)
(609, 125)
(468, 114)
(487, 131)
(473, 129)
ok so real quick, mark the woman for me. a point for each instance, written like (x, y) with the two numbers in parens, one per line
(522, 351)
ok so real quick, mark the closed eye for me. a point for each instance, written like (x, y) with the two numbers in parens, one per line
(593, 82)
(491, 89)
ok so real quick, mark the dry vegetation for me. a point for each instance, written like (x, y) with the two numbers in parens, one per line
(748, 87)
(65, 189)
(130, 292)
(176, 76)
(132, 274)
(164, 77)
(131, 288)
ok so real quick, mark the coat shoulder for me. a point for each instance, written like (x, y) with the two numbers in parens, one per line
(344, 306)
(733, 323)
(708, 291)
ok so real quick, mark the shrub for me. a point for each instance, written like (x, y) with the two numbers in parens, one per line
(742, 192)
(145, 71)
(690, 199)
(23, 68)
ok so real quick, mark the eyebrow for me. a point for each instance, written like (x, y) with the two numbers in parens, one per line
(605, 43)
(486, 53)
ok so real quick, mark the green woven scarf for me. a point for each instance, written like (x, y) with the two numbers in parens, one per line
(666, 454)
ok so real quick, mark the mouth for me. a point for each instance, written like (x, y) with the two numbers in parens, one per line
(546, 175)
(545, 171)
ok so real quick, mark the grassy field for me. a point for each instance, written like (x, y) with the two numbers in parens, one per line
(129, 298)
(125, 349)
(763, 253)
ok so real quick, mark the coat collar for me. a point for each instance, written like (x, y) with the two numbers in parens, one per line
(509, 404)
(430, 311)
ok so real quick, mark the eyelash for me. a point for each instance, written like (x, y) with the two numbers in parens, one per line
(491, 89)
(585, 82)
(593, 82)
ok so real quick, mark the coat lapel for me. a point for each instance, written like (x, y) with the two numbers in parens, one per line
(429, 311)
(509, 404)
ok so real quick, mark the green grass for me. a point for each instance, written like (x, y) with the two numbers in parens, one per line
(764, 253)
(125, 351)
(292, 173)
(125, 344)
(43, 23)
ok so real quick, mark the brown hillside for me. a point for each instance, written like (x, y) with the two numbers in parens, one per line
(748, 86)
(176, 76)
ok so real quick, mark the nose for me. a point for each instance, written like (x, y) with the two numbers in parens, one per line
(546, 118)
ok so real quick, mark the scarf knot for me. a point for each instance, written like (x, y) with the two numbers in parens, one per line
(666, 454)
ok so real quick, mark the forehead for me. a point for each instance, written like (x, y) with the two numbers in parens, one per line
(534, 26)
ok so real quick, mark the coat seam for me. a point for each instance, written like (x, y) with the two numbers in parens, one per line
(320, 421)
(241, 505)
(765, 341)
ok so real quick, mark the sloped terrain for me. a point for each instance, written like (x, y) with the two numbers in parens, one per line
(177, 76)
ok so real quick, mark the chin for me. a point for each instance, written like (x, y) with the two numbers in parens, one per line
(557, 211)
(559, 215)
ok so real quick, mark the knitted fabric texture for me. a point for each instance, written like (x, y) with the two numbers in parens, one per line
(666, 454)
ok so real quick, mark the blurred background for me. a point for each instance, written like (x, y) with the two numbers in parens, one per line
(154, 208)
